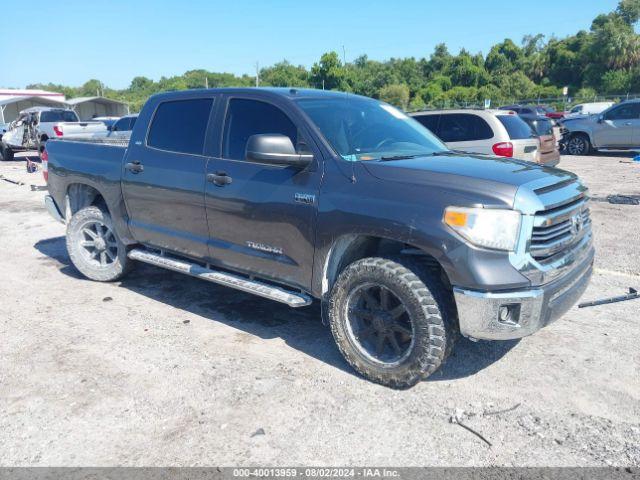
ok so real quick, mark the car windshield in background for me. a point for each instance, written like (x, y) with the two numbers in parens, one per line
(541, 126)
(58, 116)
(365, 129)
(516, 127)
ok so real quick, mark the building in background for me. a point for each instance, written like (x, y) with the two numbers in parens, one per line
(90, 107)
(12, 101)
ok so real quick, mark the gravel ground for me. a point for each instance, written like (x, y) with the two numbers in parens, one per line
(161, 369)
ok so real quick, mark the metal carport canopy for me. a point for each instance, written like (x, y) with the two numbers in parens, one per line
(12, 106)
(89, 107)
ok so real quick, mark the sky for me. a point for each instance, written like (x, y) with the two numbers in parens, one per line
(71, 41)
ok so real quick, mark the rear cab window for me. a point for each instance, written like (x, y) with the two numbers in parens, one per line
(463, 127)
(180, 126)
(516, 127)
(54, 116)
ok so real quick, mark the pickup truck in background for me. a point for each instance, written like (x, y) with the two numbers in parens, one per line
(295, 195)
(120, 130)
(34, 126)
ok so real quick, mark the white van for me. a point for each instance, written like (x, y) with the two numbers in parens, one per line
(490, 132)
(588, 109)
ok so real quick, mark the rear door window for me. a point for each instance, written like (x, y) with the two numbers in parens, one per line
(463, 127)
(180, 126)
(516, 127)
(429, 121)
(624, 112)
(251, 117)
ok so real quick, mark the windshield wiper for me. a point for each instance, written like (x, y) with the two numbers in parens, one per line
(398, 157)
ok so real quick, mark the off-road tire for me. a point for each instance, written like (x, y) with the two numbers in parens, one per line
(428, 302)
(579, 144)
(91, 269)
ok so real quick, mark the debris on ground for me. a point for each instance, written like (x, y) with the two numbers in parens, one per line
(107, 299)
(499, 412)
(457, 420)
(15, 182)
(259, 431)
(632, 295)
(624, 199)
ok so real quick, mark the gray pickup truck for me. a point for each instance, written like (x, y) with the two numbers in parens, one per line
(296, 195)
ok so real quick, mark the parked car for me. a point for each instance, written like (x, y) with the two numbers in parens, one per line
(34, 126)
(108, 121)
(525, 109)
(294, 194)
(120, 130)
(489, 132)
(617, 128)
(548, 152)
(583, 109)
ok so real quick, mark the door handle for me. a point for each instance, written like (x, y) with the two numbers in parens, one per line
(628, 124)
(219, 178)
(134, 167)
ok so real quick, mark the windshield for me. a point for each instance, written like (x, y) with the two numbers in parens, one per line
(364, 129)
(541, 126)
(50, 116)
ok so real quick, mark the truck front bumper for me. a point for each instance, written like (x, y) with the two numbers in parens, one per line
(517, 314)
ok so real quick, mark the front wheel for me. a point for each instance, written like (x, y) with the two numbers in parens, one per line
(391, 320)
(7, 153)
(579, 145)
(94, 246)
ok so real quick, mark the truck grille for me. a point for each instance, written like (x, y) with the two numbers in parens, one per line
(558, 229)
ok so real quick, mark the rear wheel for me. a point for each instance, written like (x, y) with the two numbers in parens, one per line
(391, 321)
(579, 144)
(94, 246)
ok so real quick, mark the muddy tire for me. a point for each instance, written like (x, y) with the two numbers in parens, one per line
(94, 246)
(392, 321)
(579, 144)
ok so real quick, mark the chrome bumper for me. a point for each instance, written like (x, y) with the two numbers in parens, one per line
(52, 208)
(529, 310)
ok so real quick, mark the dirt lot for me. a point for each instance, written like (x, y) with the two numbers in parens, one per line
(161, 369)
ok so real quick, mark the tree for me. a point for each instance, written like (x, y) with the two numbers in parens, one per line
(283, 74)
(397, 94)
(329, 73)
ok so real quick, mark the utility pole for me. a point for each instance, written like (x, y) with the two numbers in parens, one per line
(206, 82)
(257, 74)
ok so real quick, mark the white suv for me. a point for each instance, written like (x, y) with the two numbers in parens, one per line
(489, 132)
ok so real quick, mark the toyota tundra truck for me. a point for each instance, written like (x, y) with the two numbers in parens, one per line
(299, 195)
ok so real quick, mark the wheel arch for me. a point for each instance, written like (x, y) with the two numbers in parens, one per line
(349, 248)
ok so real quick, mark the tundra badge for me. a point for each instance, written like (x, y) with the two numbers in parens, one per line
(305, 198)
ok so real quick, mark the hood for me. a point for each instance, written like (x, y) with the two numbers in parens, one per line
(476, 177)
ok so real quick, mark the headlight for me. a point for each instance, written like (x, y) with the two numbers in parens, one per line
(485, 227)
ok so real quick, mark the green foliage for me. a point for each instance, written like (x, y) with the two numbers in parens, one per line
(396, 94)
(605, 59)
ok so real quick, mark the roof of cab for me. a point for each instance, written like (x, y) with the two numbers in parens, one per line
(291, 93)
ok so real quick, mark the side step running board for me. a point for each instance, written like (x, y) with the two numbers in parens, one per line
(279, 294)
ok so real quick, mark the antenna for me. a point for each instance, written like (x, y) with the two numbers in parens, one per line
(206, 82)
(257, 74)
(344, 65)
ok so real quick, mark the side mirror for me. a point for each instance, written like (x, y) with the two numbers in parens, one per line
(110, 128)
(275, 149)
(600, 118)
